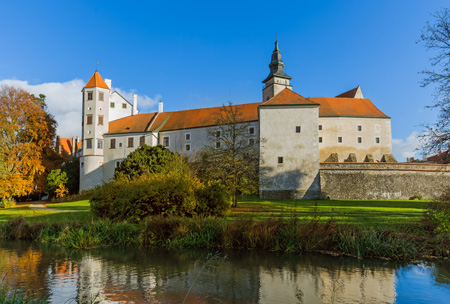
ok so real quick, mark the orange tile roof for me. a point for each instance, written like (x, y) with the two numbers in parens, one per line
(201, 117)
(350, 107)
(131, 124)
(288, 97)
(96, 81)
(66, 145)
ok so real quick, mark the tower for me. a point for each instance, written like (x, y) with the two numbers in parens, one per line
(96, 94)
(277, 79)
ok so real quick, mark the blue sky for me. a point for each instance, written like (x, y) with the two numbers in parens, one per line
(201, 54)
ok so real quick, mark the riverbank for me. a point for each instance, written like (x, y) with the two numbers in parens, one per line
(278, 234)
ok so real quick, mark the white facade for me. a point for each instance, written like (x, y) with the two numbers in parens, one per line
(294, 137)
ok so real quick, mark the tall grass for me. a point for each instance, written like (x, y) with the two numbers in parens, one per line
(285, 235)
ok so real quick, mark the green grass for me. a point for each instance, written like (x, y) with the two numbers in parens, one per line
(76, 205)
(34, 216)
(368, 213)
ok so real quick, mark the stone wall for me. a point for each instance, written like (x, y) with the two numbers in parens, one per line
(383, 180)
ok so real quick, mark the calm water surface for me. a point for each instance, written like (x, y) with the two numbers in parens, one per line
(135, 275)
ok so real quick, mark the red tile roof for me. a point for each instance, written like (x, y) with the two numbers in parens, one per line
(131, 124)
(96, 81)
(441, 158)
(288, 97)
(349, 94)
(66, 145)
(348, 107)
(167, 121)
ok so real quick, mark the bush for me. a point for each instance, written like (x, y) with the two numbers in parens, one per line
(6, 203)
(54, 179)
(438, 213)
(152, 194)
(213, 200)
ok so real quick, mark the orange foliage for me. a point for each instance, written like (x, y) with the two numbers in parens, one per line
(24, 134)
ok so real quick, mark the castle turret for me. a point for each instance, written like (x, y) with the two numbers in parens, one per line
(277, 80)
(96, 94)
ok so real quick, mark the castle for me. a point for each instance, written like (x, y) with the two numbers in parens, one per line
(299, 133)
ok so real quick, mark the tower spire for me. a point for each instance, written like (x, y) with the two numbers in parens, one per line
(276, 64)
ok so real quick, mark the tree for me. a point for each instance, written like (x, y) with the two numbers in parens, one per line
(72, 169)
(24, 134)
(232, 155)
(144, 159)
(436, 38)
(56, 179)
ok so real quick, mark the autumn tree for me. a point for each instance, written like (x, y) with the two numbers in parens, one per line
(232, 153)
(436, 38)
(24, 134)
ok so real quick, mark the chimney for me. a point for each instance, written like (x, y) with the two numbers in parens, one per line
(160, 106)
(135, 111)
(108, 83)
(424, 157)
(58, 145)
(74, 144)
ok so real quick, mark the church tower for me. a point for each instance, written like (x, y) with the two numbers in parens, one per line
(277, 80)
(96, 94)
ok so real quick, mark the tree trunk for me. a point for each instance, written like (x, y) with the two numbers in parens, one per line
(235, 199)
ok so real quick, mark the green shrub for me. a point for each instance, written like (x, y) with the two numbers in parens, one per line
(152, 194)
(6, 203)
(54, 179)
(213, 200)
(438, 213)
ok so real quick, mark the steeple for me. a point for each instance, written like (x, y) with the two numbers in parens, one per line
(96, 81)
(277, 79)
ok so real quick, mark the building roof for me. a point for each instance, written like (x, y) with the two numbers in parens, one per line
(131, 124)
(288, 97)
(96, 81)
(353, 93)
(179, 120)
(441, 158)
(66, 145)
(347, 107)
(200, 117)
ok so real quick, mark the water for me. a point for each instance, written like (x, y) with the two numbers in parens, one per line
(136, 275)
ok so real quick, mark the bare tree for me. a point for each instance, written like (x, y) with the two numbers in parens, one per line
(232, 153)
(436, 38)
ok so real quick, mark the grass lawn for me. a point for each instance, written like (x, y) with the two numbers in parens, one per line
(77, 205)
(369, 213)
(33, 216)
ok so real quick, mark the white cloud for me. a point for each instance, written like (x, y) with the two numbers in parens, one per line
(63, 100)
(403, 148)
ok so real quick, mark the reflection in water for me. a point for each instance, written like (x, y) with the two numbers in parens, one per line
(130, 275)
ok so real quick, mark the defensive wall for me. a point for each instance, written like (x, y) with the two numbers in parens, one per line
(383, 180)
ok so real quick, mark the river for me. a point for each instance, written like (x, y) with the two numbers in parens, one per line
(137, 275)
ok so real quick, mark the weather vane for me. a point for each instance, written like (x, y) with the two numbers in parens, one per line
(96, 65)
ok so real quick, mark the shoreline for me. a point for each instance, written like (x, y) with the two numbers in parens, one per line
(280, 235)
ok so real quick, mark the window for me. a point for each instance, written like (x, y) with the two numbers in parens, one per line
(101, 96)
(112, 105)
(99, 144)
(90, 95)
(251, 130)
(251, 141)
(166, 141)
(339, 139)
(188, 147)
(124, 106)
(89, 119)
(320, 127)
(187, 136)
(141, 140)
(112, 143)
(320, 139)
(359, 140)
(100, 119)
(130, 142)
(120, 145)
(88, 143)
(359, 128)
(217, 134)
(217, 144)
(82, 164)
(297, 129)
(117, 164)
(280, 160)
(377, 140)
